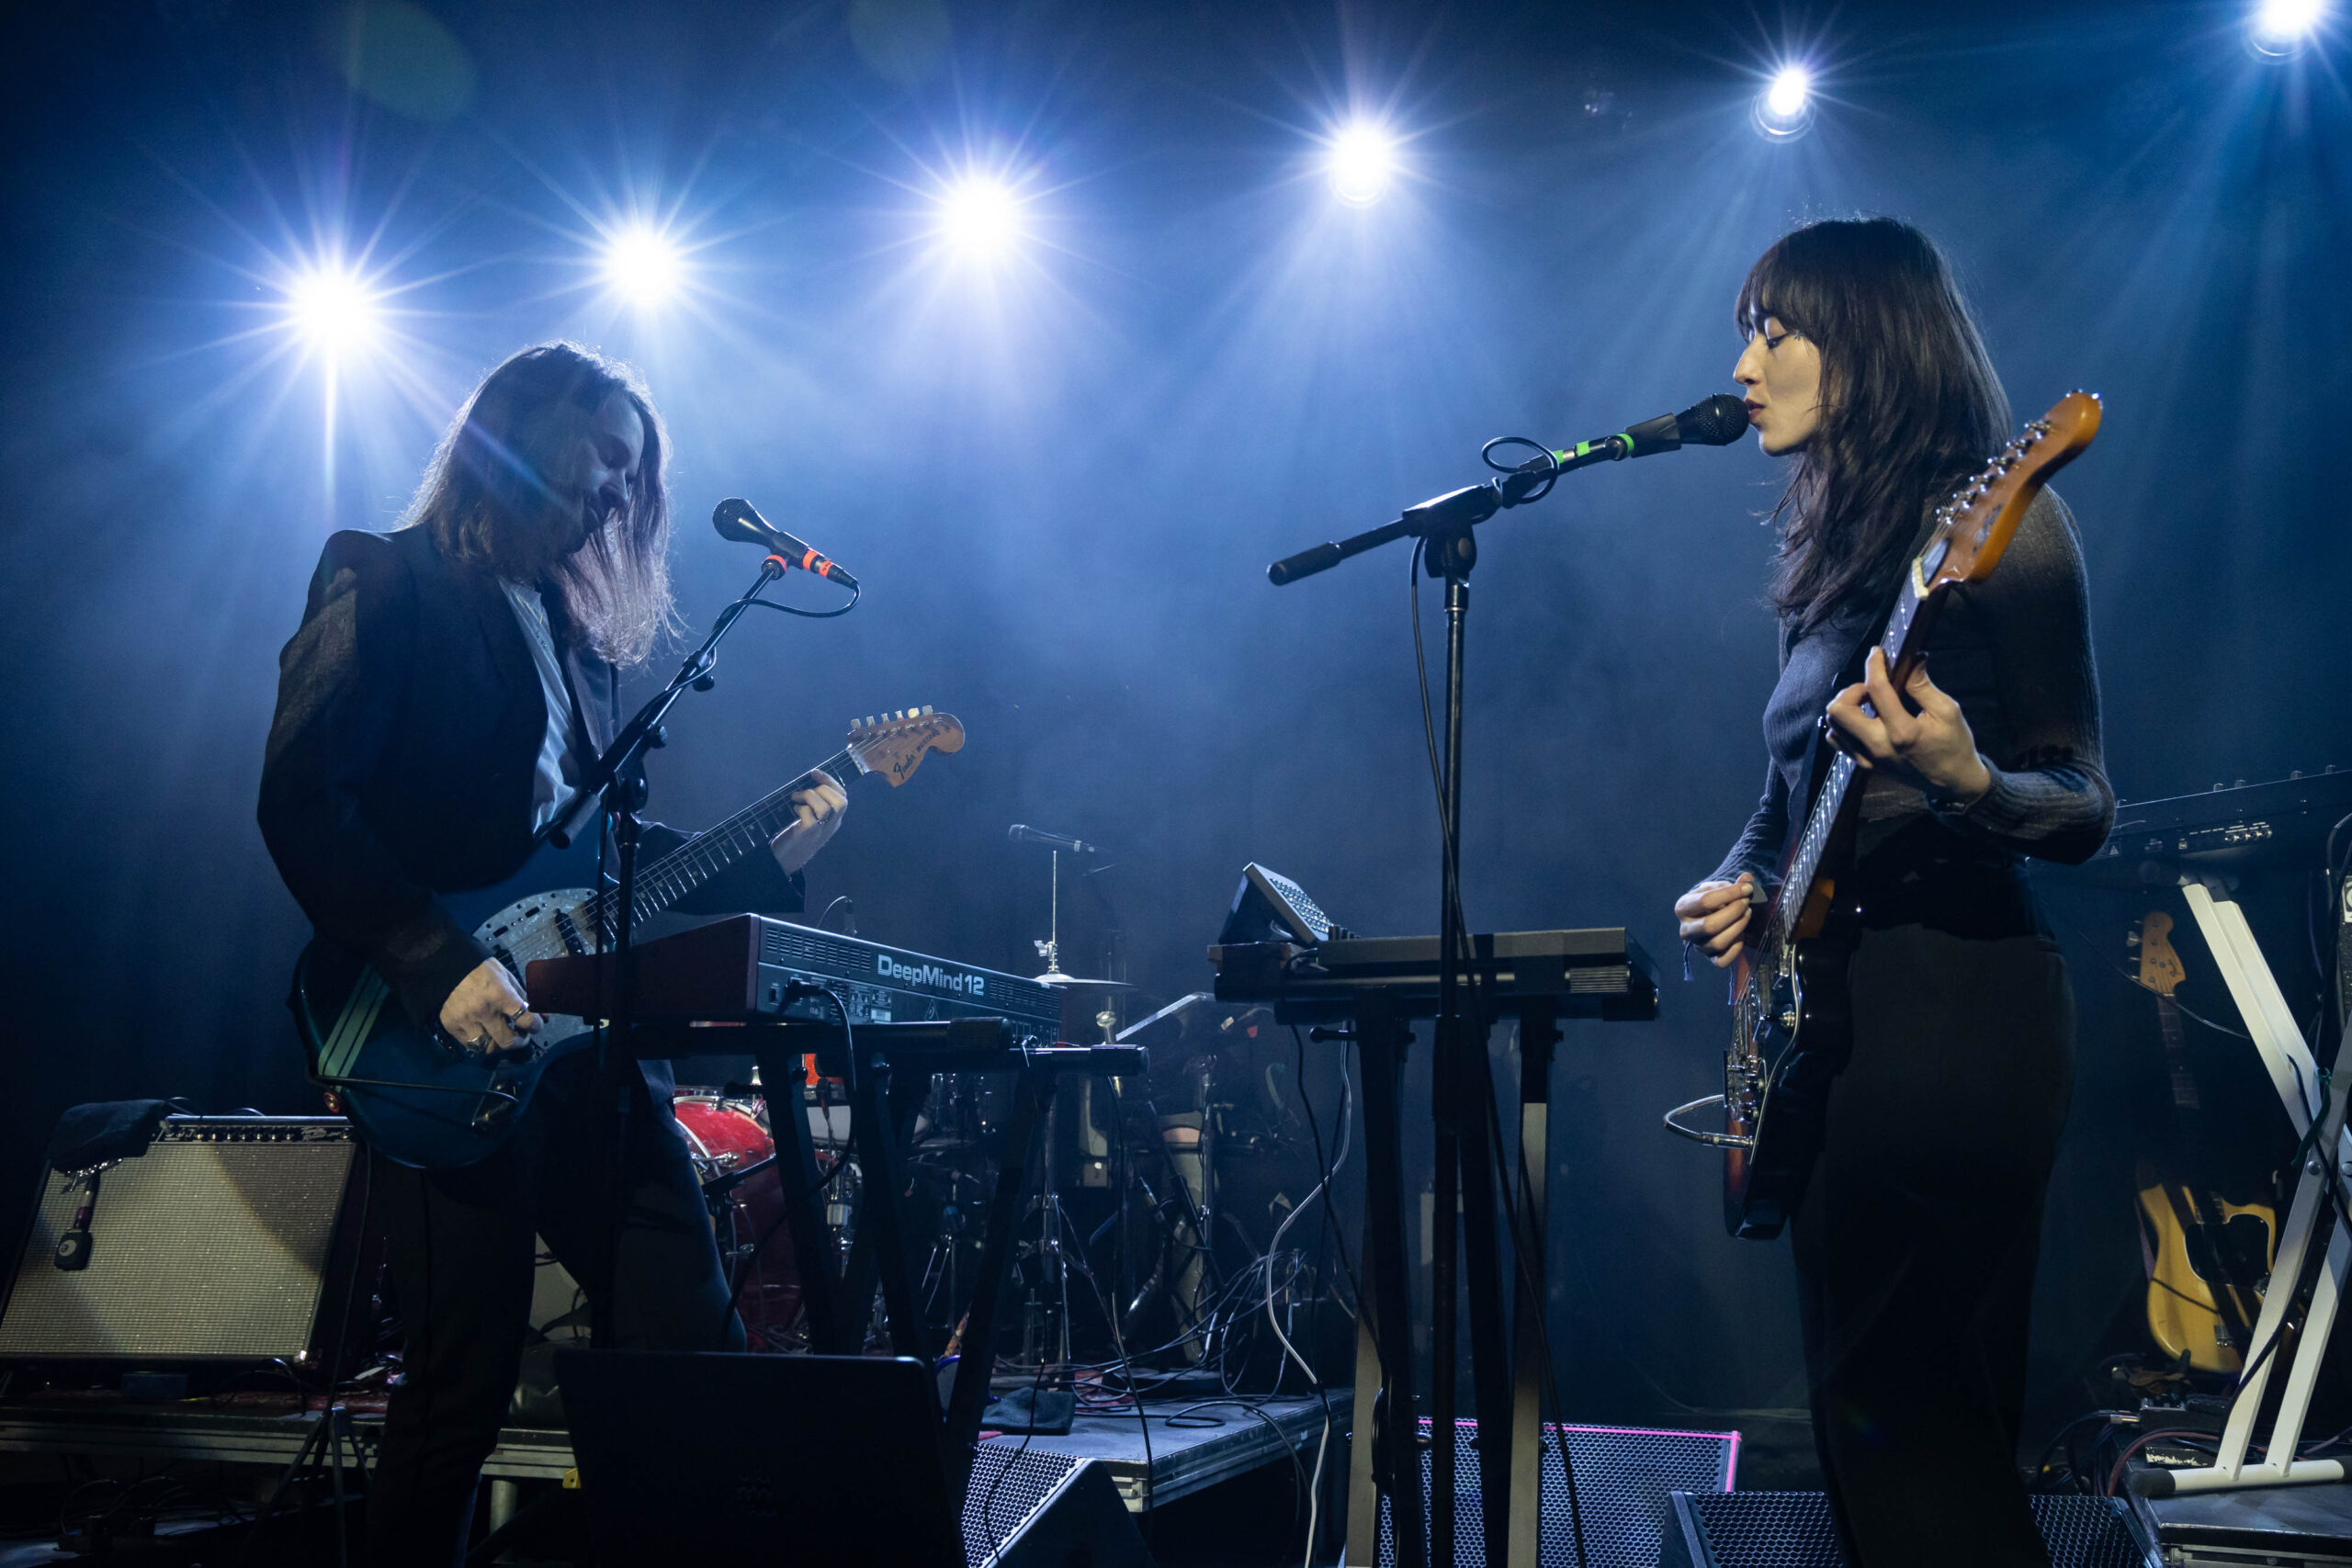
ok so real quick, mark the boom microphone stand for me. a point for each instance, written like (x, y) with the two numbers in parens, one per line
(615, 788)
(1461, 1080)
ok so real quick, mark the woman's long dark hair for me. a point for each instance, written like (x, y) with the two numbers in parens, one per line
(1909, 403)
(503, 473)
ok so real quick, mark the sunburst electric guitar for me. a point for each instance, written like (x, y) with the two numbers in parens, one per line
(425, 1100)
(2201, 1245)
(1789, 1027)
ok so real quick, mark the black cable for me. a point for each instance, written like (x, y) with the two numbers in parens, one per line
(854, 594)
(1111, 1307)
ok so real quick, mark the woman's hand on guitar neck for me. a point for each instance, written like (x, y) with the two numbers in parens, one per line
(1924, 742)
(818, 813)
(1715, 916)
(488, 1010)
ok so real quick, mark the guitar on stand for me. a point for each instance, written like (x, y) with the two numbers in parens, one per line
(1789, 1023)
(428, 1100)
(2200, 1310)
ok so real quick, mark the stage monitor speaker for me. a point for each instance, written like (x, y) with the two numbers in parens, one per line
(228, 1240)
(1625, 1475)
(1791, 1530)
(719, 1457)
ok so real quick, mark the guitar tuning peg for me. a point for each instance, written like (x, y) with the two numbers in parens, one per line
(926, 710)
(856, 724)
(869, 718)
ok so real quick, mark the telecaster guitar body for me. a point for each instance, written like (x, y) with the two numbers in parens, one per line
(425, 1100)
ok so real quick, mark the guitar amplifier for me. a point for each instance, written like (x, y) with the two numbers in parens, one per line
(229, 1239)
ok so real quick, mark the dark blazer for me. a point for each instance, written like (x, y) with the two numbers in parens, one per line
(401, 757)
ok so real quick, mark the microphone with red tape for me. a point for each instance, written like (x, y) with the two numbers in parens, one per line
(738, 519)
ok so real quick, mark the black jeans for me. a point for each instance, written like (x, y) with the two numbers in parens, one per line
(459, 1246)
(1918, 1233)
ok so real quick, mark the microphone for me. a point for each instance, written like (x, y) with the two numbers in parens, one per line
(1021, 833)
(737, 519)
(1712, 422)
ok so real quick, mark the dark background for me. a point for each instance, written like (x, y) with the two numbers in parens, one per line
(1061, 479)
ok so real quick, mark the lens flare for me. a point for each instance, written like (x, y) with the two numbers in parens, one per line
(1784, 109)
(642, 265)
(1363, 163)
(2283, 27)
(979, 217)
(333, 309)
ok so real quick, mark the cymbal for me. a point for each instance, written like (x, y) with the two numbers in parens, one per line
(1073, 983)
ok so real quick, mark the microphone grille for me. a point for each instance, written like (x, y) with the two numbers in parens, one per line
(735, 520)
(1713, 421)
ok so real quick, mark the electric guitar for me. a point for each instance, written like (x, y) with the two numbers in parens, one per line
(428, 1100)
(2197, 1309)
(1790, 1028)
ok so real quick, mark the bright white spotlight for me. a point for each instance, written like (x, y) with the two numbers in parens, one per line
(1784, 109)
(979, 217)
(1362, 162)
(642, 265)
(2283, 27)
(333, 309)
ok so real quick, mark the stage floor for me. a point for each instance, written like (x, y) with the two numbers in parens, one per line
(1184, 1457)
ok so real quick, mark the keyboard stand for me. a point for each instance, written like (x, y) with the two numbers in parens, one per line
(2319, 1201)
(1376, 986)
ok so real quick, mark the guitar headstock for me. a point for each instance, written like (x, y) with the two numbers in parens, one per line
(1975, 523)
(2160, 968)
(893, 744)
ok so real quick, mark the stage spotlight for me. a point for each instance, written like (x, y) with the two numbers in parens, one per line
(333, 308)
(2283, 27)
(1784, 109)
(1363, 162)
(979, 217)
(641, 265)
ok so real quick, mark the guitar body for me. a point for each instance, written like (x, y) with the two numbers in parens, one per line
(425, 1100)
(420, 1096)
(1805, 1031)
(2187, 1313)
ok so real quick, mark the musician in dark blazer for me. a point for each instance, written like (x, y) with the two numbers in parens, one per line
(1919, 1231)
(445, 683)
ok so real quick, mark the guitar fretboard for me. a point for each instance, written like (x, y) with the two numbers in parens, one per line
(666, 879)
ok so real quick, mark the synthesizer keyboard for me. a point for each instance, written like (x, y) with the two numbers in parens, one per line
(1595, 972)
(741, 968)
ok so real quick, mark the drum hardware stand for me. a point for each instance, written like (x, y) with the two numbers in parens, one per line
(2321, 1193)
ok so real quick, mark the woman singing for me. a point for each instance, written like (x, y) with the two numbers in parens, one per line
(1916, 1239)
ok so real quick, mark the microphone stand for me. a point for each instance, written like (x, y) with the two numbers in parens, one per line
(614, 786)
(1464, 1195)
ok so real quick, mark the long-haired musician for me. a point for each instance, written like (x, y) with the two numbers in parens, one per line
(1916, 1240)
(448, 681)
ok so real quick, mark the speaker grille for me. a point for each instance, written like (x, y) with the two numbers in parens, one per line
(211, 1244)
(1791, 1530)
(1624, 1474)
(1011, 1486)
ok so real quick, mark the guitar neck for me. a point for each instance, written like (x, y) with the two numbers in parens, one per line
(2184, 1085)
(666, 879)
(1905, 639)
